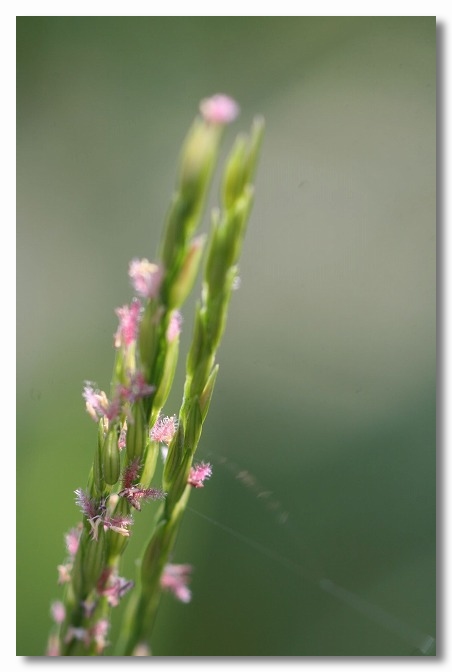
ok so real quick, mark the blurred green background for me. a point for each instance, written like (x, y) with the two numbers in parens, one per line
(326, 392)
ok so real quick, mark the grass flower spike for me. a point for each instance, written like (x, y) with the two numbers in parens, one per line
(132, 429)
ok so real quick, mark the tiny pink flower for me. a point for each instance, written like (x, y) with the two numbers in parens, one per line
(119, 524)
(175, 579)
(198, 474)
(135, 494)
(219, 109)
(129, 318)
(122, 436)
(64, 573)
(58, 612)
(164, 429)
(130, 473)
(174, 326)
(136, 389)
(72, 539)
(81, 634)
(146, 277)
(97, 404)
(98, 633)
(87, 504)
(113, 587)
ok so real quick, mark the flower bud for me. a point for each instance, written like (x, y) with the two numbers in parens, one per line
(206, 396)
(174, 458)
(136, 432)
(193, 426)
(185, 280)
(94, 560)
(111, 459)
(169, 369)
(197, 158)
(118, 542)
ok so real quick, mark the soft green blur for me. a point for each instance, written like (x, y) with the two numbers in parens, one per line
(326, 389)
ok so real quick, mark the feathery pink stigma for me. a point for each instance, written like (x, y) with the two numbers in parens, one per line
(198, 474)
(129, 318)
(164, 429)
(219, 109)
(135, 493)
(146, 277)
(175, 579)
(86, 503)
(130, 473)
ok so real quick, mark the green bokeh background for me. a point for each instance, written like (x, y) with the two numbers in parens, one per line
(326, 392)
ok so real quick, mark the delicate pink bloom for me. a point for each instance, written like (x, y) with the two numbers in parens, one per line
(113, 587)
(119, 524)
(72, 538)
(146, 277)
(129, 318)
(198, 474)
(64, 573)
(58, 612)
(164, 429)
(175, 579)
(219, 109)
(98, 405)
(174, 326)
(136, 389)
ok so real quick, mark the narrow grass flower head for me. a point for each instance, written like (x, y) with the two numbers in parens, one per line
(219, 109)
(146, 277)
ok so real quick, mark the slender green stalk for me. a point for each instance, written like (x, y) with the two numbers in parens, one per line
(131, 427)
